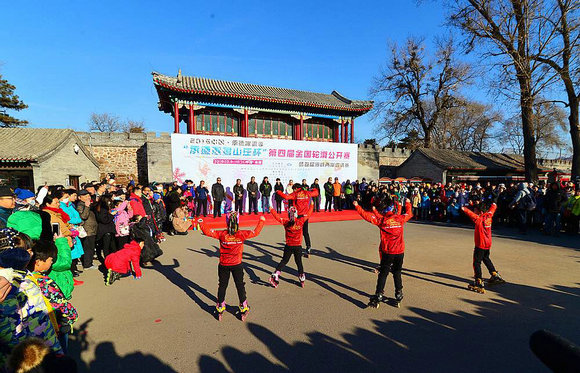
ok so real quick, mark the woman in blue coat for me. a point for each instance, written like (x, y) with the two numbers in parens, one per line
(67, 204)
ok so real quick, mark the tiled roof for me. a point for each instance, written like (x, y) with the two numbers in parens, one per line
(34, 144)
(453, 159)
(212, 87)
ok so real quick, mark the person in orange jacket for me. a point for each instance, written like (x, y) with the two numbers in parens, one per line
(231, 249)
(392, 246)
(302, 200)
(482, 217)
(293, 226)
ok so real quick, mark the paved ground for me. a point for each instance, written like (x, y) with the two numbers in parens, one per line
(164, 323)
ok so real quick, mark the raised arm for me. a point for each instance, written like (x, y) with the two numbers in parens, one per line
(256, 231)
(276, 216)
(473, 216)
(408, 210)
(313, 192)
(285, 196)
(206, 231)
(492, 209)
(368, 216)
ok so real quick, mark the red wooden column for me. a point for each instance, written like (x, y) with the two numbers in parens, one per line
(335, 133)
(301, 127)
(244, 132)
(352, 130)
(341, 136)
(176, 117)
(191, 121)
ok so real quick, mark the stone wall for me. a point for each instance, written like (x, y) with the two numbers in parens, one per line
(64, 162)
(375, 162)
(129, 154)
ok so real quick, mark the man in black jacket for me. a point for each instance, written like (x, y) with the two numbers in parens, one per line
(218, 194)
(328, 191)
(316, 200)
(252, 189)
(266, 191)
(239, 197)
(278, 187)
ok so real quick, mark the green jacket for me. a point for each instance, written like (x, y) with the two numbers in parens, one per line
(573, 205)
(348, 189)
(60, 272)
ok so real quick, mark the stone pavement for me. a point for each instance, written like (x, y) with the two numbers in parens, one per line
(164, 322)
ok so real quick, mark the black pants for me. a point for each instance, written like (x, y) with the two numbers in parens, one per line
(253, 205)
(89, 248)
(201, 204)
(390, 263)
(288, 251)
(337, 204)
(224, 278)
(328, 203)
(122, 241)
(316, 202)
(305, 234)
(523, 220)
(278, 206)
(217, 208)
(480, 255)
(108, 244)
(239, 205)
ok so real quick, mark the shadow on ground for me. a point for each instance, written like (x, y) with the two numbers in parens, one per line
(493, 339)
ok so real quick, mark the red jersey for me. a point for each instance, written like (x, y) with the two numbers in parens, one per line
(482, 226)
(232, 245)
(293, 232)
(121, 260)
(301, 199)
(391, 226)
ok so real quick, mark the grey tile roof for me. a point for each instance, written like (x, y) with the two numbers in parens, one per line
(35, 144)
(453, 159)
(205, 86)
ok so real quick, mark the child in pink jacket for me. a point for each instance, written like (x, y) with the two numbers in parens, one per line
(122, 212)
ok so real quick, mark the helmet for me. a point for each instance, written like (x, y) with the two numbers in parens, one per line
(292, 214)
(232, 222)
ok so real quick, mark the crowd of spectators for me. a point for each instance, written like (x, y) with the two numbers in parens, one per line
(48, 238)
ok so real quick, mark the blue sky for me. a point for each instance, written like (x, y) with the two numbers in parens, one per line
(69, 59)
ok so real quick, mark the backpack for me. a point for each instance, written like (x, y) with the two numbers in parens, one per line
(528, 202)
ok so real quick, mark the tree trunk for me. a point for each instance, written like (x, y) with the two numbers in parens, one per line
(575, 135)
(527, 107)
(427, 139)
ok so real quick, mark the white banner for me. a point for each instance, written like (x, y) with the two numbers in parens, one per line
(204, 157)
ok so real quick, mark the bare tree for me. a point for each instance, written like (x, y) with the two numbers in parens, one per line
(549, 126)
(559, 27)
(133, 126)
(413, 91)
(468, 127)
(501, 30)
(105, 122)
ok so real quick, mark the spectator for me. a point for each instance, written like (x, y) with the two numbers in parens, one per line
(239, 197)
(218, 193)
(278, 187)
(89, 225)
(336, 194)
(328, 194)
(7, 204)
(201, 193)
(252, 189)
(315, 200)
(266, 191)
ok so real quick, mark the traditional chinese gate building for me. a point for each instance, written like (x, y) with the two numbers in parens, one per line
(216, 107)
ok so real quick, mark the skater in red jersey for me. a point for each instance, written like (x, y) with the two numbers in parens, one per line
(482, 217)
(293, 226)
(231, 249)
(392, 246)
(301, 199)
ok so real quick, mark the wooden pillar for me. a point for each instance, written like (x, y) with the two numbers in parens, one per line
(336, 130)
(352, 130)
(341, 136)
(176, 117)
(191, 121)
(244, 131)
(301, 127)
